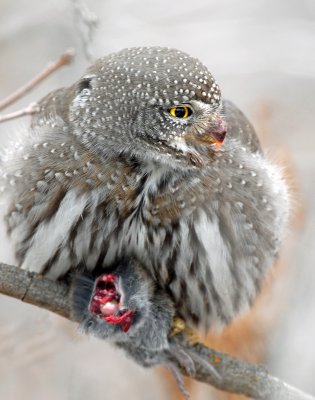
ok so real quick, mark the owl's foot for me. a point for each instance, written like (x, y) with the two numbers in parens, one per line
(179, 326)
(106, 302)
(187, 358)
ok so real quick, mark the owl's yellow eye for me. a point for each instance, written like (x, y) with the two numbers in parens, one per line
(180, 111)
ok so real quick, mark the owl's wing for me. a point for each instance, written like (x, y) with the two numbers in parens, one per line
(239, 127)
(54, 109)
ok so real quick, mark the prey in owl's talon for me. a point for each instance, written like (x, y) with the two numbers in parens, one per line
(106, 302)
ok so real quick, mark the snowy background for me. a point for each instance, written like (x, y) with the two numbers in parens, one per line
(262, 52)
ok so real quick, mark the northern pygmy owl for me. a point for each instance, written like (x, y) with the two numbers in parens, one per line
(141, 160)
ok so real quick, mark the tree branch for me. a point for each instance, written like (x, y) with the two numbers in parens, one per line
(235, 376)
(87, 23)
(32, 108)
(34, 289)
(64, 59)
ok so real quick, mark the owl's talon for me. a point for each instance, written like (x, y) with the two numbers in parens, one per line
(188, 358)
(179, 326)
(179, 379)
(183, 359)
(204, 363)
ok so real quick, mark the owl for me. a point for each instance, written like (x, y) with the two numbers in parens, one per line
(153, 193)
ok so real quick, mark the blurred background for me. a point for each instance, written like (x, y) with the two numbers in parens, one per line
(262, 52)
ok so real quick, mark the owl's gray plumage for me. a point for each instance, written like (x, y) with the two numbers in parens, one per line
(108, 173)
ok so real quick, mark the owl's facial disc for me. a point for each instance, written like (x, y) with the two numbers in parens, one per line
(200, 127)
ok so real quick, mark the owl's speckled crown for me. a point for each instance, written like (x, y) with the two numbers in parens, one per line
(158, 74)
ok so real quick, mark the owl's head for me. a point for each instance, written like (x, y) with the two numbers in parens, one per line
(154, 103)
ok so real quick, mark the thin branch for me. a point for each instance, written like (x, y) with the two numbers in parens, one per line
(236, 376)
(241, 377)
(32, 108)
(64, 59)
(34, 289)
(87, 23)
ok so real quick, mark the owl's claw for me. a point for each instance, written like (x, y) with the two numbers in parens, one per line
(179, 326)
(183, 359)
(204, 363)
(188, 358)
(179, 379)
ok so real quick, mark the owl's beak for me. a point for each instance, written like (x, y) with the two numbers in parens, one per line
(214, 134)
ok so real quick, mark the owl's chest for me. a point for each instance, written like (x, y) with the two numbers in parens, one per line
(204, 245)
(145, 224)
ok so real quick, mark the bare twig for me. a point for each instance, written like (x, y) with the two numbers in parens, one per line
(235, 376)
(64, 59)
(87, 23)
(34, 289)
(32, 108)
